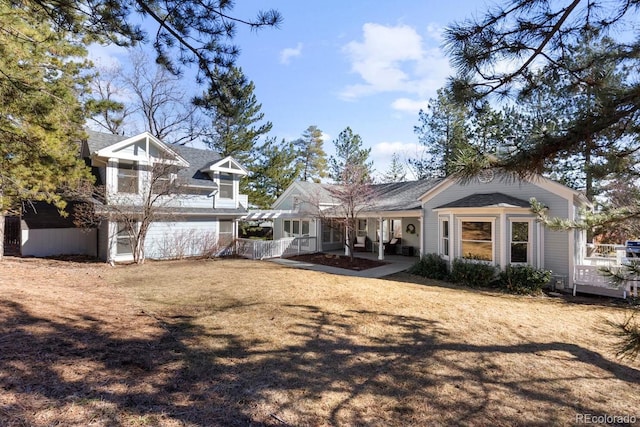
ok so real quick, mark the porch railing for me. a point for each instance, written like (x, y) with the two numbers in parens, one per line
(265, 249)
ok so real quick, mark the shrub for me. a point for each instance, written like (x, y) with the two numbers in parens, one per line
(431, 266)
(472, 273)
(523, 279)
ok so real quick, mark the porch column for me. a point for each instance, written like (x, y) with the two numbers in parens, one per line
(380, 241)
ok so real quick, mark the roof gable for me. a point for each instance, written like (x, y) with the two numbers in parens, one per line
(487, 200)
(143, 147)
(226, 165)
(537, 180)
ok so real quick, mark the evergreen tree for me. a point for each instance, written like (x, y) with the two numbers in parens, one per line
(443, 131)
(182, 32)
(236, 115)
(351, 160)
(272, 173)
(396, 171)
(311, 155)
(43, 74)
(535, 34)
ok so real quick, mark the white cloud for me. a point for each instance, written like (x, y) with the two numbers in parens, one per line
(107, 56)
(382, 152)
(386, 149)
(410, 106)
(396, 59)
(288, 53)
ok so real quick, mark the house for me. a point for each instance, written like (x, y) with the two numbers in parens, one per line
(394, 214)
(202, 214)
(487, 219)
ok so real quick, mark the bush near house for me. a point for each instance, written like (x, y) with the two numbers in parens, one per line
(472, 273)
(515, 279)
(523, 279)
(431, 266)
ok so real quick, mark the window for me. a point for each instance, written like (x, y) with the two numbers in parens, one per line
(225, 231)
(476, 240)
(127, 178)
(296, 228)
(226, 186)
(444, 237)
(331, 232)
(519, 242)
(124, 240)
(162, 177)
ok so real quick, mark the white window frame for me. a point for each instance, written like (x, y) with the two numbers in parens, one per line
(121, 237)
(296, 227)
(444, 250)
(226, 182)
(132, 171)
(529, 242)
(492, 221)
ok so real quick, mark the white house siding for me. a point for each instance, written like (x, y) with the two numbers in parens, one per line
(181, 239)
(556, 244)
(58, 241)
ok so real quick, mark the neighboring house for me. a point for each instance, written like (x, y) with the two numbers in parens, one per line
(201, 216)
(487, 219)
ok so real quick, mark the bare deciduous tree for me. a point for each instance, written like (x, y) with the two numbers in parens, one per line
(151, 96)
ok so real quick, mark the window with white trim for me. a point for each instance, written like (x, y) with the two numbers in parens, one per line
(331, 231)
(226, 186)
(124, 240)
(520, 242)
(296, 227)
(444, 237)
(476, 240)
(127, 177)
(225, 231)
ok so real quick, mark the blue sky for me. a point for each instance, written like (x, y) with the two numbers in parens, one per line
(370, 65)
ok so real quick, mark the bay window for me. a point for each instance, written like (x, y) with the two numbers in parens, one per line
(476, 240)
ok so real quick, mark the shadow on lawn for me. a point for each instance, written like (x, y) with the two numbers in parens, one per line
(200, 377)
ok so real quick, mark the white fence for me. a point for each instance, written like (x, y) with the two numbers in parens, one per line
(287, 246)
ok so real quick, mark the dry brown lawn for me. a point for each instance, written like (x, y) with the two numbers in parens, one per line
(236, 342)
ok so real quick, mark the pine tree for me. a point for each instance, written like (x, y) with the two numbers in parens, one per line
(350, 159)
(396, 171)
(443, 132)
(182, 32)
(272, 173)
(43, 73)
(311, 155)
(236, 115)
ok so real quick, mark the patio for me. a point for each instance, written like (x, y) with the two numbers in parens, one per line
(394, 264)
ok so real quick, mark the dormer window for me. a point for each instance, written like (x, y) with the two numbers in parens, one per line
(127, 177)
(226, 186)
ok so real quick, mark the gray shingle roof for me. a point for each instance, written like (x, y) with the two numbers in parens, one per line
(196, 157)
(487, 200)
(400, 196)
(396, 196)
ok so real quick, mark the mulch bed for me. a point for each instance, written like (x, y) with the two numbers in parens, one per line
(339, 261)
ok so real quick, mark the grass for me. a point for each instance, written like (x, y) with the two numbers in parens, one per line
(235, 342)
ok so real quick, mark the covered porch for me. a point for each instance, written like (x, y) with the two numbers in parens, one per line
(388, 234)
